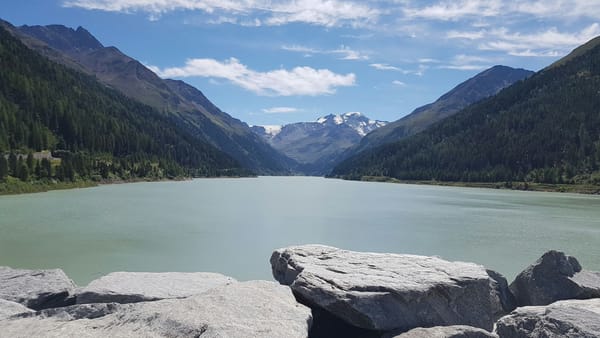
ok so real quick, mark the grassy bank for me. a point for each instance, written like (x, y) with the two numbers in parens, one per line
(526, 186)
(12, 186)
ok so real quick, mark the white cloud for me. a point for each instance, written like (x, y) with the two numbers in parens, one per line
(318, 12)
(467, 62)
(280, 110)
(446, 10)
(399, 83)
(385, 66)
(455, 10)
(466, 35)
(550, 42)
(280, 82)
(343, 52)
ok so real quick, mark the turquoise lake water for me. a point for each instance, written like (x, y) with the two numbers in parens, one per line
(231, 226)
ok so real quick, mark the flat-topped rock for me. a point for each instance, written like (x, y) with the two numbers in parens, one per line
(8, 308)
(386, 292)
(248, 309)
(567, 318)
(133, 287)
(36, 289)
(555, 276)
(455, 331)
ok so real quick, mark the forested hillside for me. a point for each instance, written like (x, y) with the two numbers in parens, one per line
(80, 50)
(483, 85)
(544, 129)
(93, 131)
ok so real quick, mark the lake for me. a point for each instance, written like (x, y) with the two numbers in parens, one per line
(231, 226)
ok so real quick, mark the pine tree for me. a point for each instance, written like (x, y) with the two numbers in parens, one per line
(23, 172)
(3, 167)
(12, 164)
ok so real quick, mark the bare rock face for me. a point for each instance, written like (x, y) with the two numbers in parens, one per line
(456, 331)
(567, 318)
(133, 287)
(36, 289)
(385, 292)
(8, 309)
(555, 276)
(249, 309)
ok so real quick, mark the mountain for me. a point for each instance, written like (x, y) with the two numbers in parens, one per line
(542, 129)
(482, 85)
(317, 146)
(93, 131)
(78, 49)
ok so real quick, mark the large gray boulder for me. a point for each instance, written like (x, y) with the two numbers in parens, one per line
(36, 289)
(455, 331)
(567, 318)
(133, 287)
(385, 292)
(555, 276)
(249, 309)
(8, 309)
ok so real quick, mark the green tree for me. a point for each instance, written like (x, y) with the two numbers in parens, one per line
(3, 167)
(23, 172)
(12, 164)
(46, 168)
(30, 160)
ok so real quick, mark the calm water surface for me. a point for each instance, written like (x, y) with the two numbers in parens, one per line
(232, 225)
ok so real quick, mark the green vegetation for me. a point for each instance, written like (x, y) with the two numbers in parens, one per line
(94, 133)
(542, 130)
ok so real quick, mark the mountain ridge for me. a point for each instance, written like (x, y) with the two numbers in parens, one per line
(474, 89)
(95, 133)
(317, 146)
(80, 50)
(543, 129)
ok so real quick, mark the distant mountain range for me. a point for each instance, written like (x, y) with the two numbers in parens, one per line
(482, 85)
(80, 50)
(317, 146)
(542, 129)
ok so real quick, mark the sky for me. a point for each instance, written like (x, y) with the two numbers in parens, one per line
(272, 62)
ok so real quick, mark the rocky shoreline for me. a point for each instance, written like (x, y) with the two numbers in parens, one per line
(322, 292)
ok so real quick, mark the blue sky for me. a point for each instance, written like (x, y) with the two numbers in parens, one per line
(284, 61)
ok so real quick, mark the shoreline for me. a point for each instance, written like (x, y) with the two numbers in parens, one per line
(14, 186)
(584, 189)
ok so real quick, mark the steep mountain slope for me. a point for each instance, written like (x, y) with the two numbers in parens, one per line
(482, 85)
(543, 129)
(317, 146)
(96, 131)
(80, 50)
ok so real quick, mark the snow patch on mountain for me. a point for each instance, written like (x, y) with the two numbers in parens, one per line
(272, 130)
(357, 121)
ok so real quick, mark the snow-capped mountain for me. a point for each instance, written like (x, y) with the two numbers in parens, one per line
(317, 146)
(355, 120)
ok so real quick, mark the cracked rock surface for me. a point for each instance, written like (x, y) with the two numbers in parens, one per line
(133, 287)
(248, 309)
(555, 276)
(567, 318)
(385, 292)
(36, 289)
